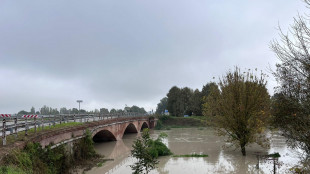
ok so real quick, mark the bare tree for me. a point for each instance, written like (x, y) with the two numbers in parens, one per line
(291, 105)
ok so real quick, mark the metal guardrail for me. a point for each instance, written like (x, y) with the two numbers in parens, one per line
(17, 123)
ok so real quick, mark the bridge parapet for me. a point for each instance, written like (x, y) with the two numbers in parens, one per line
(18, 123)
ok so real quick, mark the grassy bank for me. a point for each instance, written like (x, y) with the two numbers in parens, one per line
(34, 159)
(21, 135)
(167, 122)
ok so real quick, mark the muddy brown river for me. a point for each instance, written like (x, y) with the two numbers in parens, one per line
(193, 140)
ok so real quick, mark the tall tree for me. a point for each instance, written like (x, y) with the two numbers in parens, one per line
(240, 108)
(196, 103)
(174, 101)
(186, 95)
(293, 77)
(112, 111)
(104, 111)
(206, 91)
(162, 106)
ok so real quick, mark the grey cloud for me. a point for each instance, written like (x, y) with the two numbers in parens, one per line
(111, 53)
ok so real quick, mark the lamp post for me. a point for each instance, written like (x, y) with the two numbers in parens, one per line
(79, 101)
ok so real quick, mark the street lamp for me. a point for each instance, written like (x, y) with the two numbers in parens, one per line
(79, 101)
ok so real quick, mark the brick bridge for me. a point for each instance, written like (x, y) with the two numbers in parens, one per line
(103, 130)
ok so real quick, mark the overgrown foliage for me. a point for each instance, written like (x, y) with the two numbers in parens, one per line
(162, 106)
(34, 159)
(146, 151)
(84, 148)
(239, 110)
(291, 104)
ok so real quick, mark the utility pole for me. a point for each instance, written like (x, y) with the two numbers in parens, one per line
(79, 101)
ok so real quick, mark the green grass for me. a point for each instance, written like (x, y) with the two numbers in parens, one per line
(274, 155)
(191, 155)
(21, 135)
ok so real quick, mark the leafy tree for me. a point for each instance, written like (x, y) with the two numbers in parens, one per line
(205, 94)
(240, 108)
(104, 111)
(119, 111)
(178, 102)
(32, 110)
(196, 103)
(64, 110)
(162, 105)
(141, 151)
(112, 111)
(174, 101)
(74, 111)
(135, 109)
(206, 89)
(186, 95)
(292, 102)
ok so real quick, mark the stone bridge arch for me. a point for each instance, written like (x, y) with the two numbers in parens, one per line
(104, 134)
(143, 125)
(131, 127)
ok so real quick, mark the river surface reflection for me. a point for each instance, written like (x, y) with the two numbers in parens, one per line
(194, 140)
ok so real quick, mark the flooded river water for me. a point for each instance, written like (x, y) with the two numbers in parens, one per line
(199, 141)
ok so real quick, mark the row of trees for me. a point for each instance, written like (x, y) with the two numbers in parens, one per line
(184, 101)
(45, 110)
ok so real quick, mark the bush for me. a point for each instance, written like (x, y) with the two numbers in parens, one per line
(84, 148)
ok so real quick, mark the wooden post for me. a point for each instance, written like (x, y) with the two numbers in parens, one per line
(15, 121)
(60, 118)
(274, 165)
(74, 117)
(3, 133)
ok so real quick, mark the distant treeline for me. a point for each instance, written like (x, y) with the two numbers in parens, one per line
(185, 101)
(45, 110)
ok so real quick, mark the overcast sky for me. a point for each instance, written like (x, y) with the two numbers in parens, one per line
(110, 53)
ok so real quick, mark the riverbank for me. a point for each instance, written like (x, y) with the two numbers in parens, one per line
(167, 122)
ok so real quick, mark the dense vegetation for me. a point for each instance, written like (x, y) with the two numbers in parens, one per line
(34, 159)
(184, 101)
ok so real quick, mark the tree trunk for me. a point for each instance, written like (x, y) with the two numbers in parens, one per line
(243, 150)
